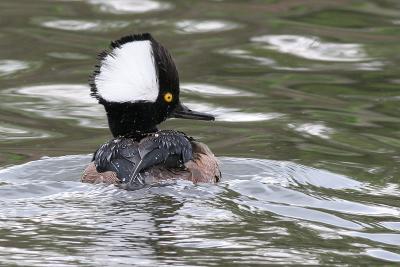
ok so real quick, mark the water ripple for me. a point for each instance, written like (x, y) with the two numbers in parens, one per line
(84, 25)
(36, 198)
(196, 26)
(213, 90)
(233, 114)
(74, 102)
(311, 82)
(383, 254)
(244, 54)
(12, 132)
(129, 6)
(68, 55)
(8, 67)
(313, 129)
(67, 101)
(313, 48)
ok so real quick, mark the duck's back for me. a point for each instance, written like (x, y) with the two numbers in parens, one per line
(156, 156)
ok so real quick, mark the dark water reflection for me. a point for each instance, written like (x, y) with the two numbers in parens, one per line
(292, 84)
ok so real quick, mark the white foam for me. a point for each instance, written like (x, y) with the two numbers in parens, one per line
(128, 74)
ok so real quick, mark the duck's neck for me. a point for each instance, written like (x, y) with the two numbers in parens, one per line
(130, 123)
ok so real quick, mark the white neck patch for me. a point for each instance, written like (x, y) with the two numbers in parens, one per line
(128, 74)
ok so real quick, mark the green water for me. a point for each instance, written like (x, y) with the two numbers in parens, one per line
(313, 83)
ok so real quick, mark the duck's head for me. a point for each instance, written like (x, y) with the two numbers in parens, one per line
(137, 82)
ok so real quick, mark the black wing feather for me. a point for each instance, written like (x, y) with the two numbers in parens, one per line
(118, 155)
(128, 158)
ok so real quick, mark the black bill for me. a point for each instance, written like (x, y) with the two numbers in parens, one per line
(183, 112)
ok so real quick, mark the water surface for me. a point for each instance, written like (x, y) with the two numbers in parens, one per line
(306, 96)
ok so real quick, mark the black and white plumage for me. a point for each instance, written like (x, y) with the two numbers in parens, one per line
(114, 83)
(128, 158)
(137, 83)
(135, 68)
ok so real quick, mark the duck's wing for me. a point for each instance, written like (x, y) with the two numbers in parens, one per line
(167, 148)
(128, 159)
(119, 155)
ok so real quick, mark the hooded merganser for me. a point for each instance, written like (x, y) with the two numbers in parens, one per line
(137, 83)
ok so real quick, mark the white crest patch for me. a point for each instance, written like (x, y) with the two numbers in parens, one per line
(128, 74)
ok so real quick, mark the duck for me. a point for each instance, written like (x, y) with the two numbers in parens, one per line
(137, 82)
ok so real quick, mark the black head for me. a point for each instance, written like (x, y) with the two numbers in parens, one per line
(137, 82)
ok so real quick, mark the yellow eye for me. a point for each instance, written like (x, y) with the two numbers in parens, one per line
(168, 97)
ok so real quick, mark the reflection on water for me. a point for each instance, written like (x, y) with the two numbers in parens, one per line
(71, 101)
(261, 202)
(72, 93)
(63, 101)
(310, 48)
(306, 96)
(243, 54)
(82, 25)
(193, 26)
(232, 114)
(129, 6)
(383, 254)
(313, 48)
(11, 132)
(8, 67)
(213, 90)
(314, 129)
(67, 55)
